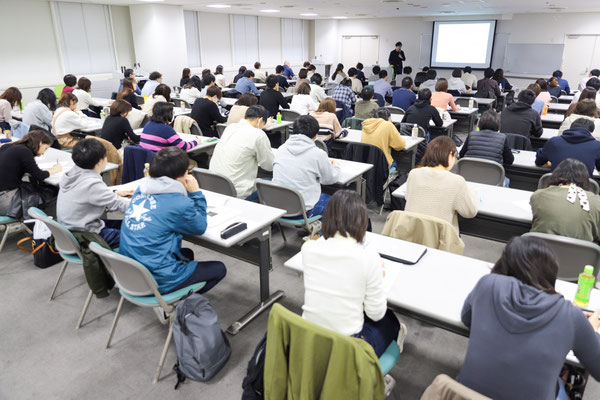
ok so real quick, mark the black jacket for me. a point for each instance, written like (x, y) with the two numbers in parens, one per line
(117, 129)
(132, 99)
(376, 176)
(396, 59)
(421, 113)
(521, 119)
(488, 85)
(206, 113)
(283, 83)
(271, 100)
(15, 161)
(488, 145)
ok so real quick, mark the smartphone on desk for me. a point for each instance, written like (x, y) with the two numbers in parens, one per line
(515, 151)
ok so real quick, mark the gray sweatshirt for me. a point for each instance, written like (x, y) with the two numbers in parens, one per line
(300, 165)
(83, 198)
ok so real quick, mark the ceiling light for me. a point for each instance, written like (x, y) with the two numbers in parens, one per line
(340, 17)
(269, 10)
(151, 1)
(309, 15)
(219, 6)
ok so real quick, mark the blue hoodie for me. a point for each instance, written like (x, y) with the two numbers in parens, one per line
(159, 214)
(520, 337)
(575, 143)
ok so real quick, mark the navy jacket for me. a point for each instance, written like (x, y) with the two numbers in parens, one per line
(575, 143)
(403, 98)
(488, 145)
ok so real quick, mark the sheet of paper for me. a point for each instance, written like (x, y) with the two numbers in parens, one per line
(221, 217)
(392, 270)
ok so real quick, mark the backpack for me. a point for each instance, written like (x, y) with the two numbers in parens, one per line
(202, 347)
(253, 383)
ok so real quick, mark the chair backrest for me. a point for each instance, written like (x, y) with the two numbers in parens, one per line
(195, 129)
(290, 115)
(214, 182)
(543, 183)
(445, 388)
(321, 145)
(379, 99)
(140, 99)
(480, 171)
(553, 99)
(220, 129)
(563, 92)
(406, 129)
(134, 158)
(518, 142)
(464, 101)
(179, 102)
(278, 196)
(64, 240)
(396, 110)
(177, 89)
(510, 98)
(573, 254)
(454, 92)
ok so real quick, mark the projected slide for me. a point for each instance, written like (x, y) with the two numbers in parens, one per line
(460, 43)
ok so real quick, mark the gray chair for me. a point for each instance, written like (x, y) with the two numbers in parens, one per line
(278, 196)
(395, 110)
(140, 99)
(480, 171)
(464, 101)
(195, 129)
(179, 102)
(321, 145)
(290, 115)
(573, 254)
(221, 128)
(214, 182)
(144, 121)
(10, 225)
(406, 129)
(137, 285)
(543, 183)
(553, 99)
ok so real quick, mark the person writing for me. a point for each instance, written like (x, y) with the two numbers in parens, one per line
(396, 58)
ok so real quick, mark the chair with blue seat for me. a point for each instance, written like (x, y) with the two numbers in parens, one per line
(137, 286)
(10, 225)
(278, 196)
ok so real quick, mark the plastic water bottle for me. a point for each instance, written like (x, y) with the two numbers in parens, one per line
(415, 131)
(471, 104)
(220, 108)
(103, 114)
(545, 110)
(147, 170)
(182, 105)
(279, 118)
(585, 284)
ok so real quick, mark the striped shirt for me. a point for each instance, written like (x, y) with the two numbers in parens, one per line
(157, 136)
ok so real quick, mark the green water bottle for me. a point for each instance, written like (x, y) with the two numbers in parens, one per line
(279, 118)
(585, 284)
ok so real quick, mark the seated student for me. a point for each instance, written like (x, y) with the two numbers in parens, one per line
(10, 99)
(553, 87)
(422, 112)
(127, 93)
(67, 118)
(241, 150)
(356, 83)
(208, 80)
(381, 132)
(306, 64)
(271, 98)
(116, 127)
(185, 77)
(205, 72)
(85, 102)
(70, 82)
(587, 93)
(312, 69)
(259, 75)
(206, 112)
(238, 111)
(503, 83)
(84, 198)
(520, 118)
(241, 71)
(344, 94)
(521, 329)
(538, 105)
(487, 84)
(556, 209)
(302, 103)
(343, 279)
(430, 82)
(339, 74)
(441, 98)
(544, 95)
(576, 142)
(302, 166)
(382, 86)
(158, 134)
(469, 78)
(360, 75)
(488, 143)
(365, 108)
(421, 77)
(329, 125)
(219, 77)
(585, 109)
(404, 97)
(283, 83)
(434, 190)
(155, 79)
(562, 83)
(129, 74)
(375, 75)
(316, 91)
(288, 72)
(191, 91)
(456, 83)
(152, 234)
(595, 73)
(302, 77)
(246, 84)
(39, 112)
(17, 159)
(591, 83)
(162, 94)
(406, 73)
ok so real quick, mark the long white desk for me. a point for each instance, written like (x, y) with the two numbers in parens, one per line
(560, 108)
(566, 98)
(52, 156)
(274, 128)
(447, 127)
(552, 120)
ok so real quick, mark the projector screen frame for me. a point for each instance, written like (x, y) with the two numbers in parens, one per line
(495, 21)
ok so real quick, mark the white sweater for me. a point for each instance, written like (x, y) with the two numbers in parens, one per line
(303, 103)
(85, 100)
(317, 93)
(150, 102)
(66, 121)
(190, 95)
(342, 280)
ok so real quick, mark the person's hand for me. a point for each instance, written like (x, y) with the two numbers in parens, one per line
(547, 165)
(55, 169)
(594, 319)
(8, 134)
(124, 193)
(191, 184)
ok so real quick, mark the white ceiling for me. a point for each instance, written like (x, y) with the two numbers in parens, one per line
(379, 8)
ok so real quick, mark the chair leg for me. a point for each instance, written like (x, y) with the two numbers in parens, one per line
(115, 321)
(163, 356)
(4, 237)
(85, 308)
(60, 275)
(281, 231)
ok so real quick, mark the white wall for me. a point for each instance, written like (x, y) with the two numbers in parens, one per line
(215, 36)
(121, 23)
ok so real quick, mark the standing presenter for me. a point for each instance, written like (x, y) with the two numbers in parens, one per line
(395, 59)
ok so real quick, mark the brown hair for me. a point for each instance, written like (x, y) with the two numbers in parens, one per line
(13, 96)
(328, 105)
(303, 73)
(84, 84)
(119, 107)
(304, 88)
(34, 139)
(214, 91)
(127, 88)
(535, 88)
(543, 84)
(438, 150)
(586, 107)
(164, 91)
(347, 214)
(441, 86)
(66, 99)
(588, 93)
(247, 99)
(553, 82)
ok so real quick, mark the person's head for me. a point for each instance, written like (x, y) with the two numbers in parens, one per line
(84, 84)
(543, 84)
(595, 72)
(242, 70)
(272, 82)
(37, 141)
(219, 70)
(367, 93)
(398, 46)
(346, 214)
(247, 99)
(407, 82)
(424, 94)
(304, 88)
(68, 100)
(383, 113)
(128, 86)
(129, 74)
(286, 63)
(163, 90)
(468, 70)
(155, 76)
(535, 88)
(171, 162)
(162, 113)
(425, 69)
(352, 72)
(346, 82)
(70, 80)
(312, 68)
(489, 120)
(205, 71)
(339, 68)
(89, 154)
(279, 69)
(498, 74)
(208, 80)
(531, 261)
(553, 82)
(306, 125)
(488, 73)
(583, 123)
(441, 151)
(317, 79)
(407, 70)
(526, 96)
(431, 74)
(303, 73)
(558, 73)
(441, 85)
(327, 105)
(257, 65)
(593, 83)
(376, 70)
(588, 93)
(306, 64)
(360, 66)
(195, 82)
(570, 171)
(257, 116)
(383, 74)
(249, 74)
(214, 93)
(587, 107)
(186, 73)
(48, 98)
(120, 108)
(13, 96)
(457, 73)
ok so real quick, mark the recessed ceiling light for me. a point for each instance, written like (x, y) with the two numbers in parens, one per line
(309, 15)
(219, 6)
(340, 17)
(151, 1)
(270, 10)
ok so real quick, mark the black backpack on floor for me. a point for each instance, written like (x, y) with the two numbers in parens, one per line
(253, 383)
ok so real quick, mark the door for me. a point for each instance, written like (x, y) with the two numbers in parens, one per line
(350, 51)
(369, 50)
(580, 55)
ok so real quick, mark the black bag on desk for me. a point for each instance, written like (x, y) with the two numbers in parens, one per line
(30, 195)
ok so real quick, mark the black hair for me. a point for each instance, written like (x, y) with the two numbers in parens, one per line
(194, 82)
(526, 96)
(583, 123)
(317, 79)
(214, 90)
(359, 66)
(306, 125)
(48, 98)
(219, 70)
(87, 153)
(488, 72)
(457, 73)
(272, 81)
(431, 74)
(128, 72)
(489, 120)
(498, 75)
(383, 113)
(162, 112)
(208, 79)
(70, 80)
(424, 94)
(595, 72)
(376, 69)
(256, 112)
(367, 93)
(382, 74)
(570, 171)
(425, 69)
(593, 83)
(155, 75)
(279, 69)
(407, 70)
(256, 65)
(352, 71)
(171, 161)
(398, 44)
(346, 213)
(242, 69)
(558, 73)
(163, 90)
(34, 139)
(249, 74)
(346, 82)
(407, 82)
(468, 70)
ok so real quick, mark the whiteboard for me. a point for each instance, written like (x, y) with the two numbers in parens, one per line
(533, 59)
